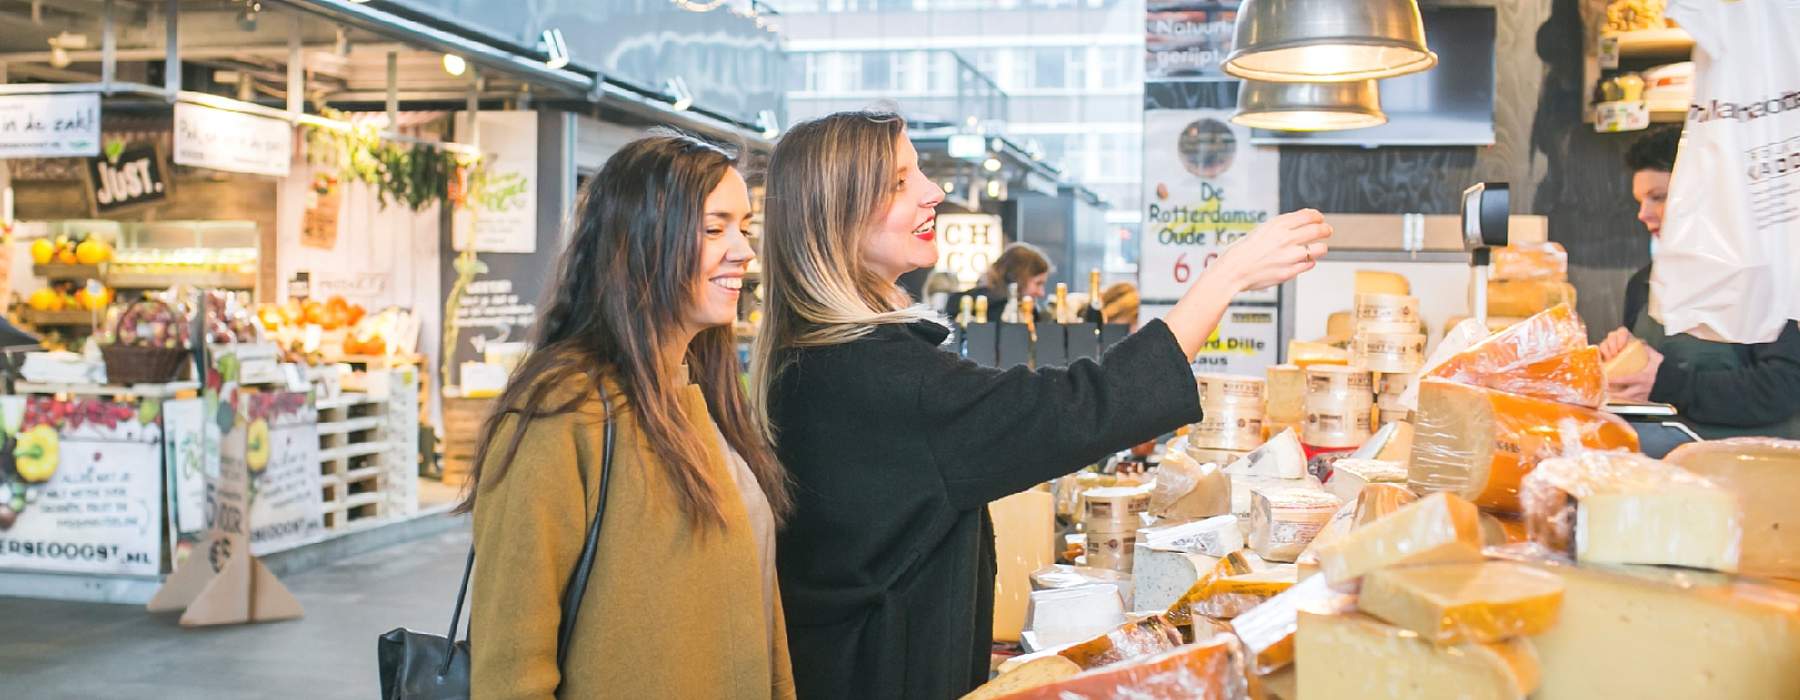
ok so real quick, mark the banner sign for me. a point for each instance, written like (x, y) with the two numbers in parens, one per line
(82, 489)
(219, 139)
(50, 126)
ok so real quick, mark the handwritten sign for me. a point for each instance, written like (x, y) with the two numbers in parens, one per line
(185, 451)
(232, 141)
(135, 177)
(49, 126)
(1205, 188)
(490, 312)
(509, 142)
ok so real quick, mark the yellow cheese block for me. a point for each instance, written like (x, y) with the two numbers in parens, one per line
(1306, 354)
(1624, 508)
(1651, 632)
(1481, 602)
(1280, 685)
(1540, 261)
(1340, 324)
(1286, 402)
(1764, 474)
(1378, 282)
(1527, 298)
(1356, 656)
(1633, 359)
(1441, 528)
(1042, 670)
(1232, 596)
(1024, 529)
(1267, 630)
(1479, 443)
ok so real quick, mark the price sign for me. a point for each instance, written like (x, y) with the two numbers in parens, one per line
(1205, 188)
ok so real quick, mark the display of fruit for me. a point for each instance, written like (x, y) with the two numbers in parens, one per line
(228, 321)
(43, 251)
(1635, 15)
(93, 251)
(45, 299)
(152, 324)
(372, 335)
(93, 302)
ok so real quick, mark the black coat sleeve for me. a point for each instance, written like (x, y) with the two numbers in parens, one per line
(997, 432)
(1765, 391)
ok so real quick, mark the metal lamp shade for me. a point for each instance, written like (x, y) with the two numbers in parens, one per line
(1309, 106)
(1322, 41)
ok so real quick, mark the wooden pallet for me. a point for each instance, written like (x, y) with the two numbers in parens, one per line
(353, 447)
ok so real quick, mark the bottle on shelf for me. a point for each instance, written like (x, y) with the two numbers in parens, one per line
(1027, 317)
(1063, 312)
(1096, 310)
(1010, 314)
(981, 309)
(965, 310)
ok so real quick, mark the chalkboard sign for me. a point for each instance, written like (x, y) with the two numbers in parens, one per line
(134, 176)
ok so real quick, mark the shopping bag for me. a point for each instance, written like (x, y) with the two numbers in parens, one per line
(1727, 267)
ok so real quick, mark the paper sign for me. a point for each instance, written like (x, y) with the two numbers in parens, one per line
(1247, 340)
(100, 508)
(507, 220)
(232, 141)
(185, 450)
(50, 126)
(1205, 187)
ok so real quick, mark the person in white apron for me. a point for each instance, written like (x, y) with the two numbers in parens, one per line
(1721, 389)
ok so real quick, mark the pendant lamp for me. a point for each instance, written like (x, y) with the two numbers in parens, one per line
(1327, 41)
(1309, 106)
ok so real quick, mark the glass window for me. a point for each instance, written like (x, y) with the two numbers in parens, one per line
(877, 71)
(1051, 69)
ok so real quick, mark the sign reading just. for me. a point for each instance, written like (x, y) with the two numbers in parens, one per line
(135, 176)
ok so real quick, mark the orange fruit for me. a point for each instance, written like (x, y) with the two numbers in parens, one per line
(67, 256)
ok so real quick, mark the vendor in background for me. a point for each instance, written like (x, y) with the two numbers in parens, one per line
(1019, 263)
(1723, 389)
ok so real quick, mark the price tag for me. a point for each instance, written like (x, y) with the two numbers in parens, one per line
(1613, 117)
(1609, 52)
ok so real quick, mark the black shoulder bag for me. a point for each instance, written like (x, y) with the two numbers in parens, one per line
(421, 666)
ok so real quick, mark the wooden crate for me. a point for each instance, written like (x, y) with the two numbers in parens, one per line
(462, 431)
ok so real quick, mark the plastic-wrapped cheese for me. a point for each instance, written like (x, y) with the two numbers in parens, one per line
(1186, 489)
(1620, 508)
(1065, 615)
(1211, 668)
(1437, 529)
(1131, 640)
(1483, 602)
(1284, 520)
(1479, 443)
(1232, 596)
(1233, 564)
(1356, 656)
(1520, 299)
(1546, 356)
(1764, 474)
(1215, 537)
(1043, 670)
(1539, 261)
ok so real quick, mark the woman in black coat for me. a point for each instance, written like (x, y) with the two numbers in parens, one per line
(895, 446)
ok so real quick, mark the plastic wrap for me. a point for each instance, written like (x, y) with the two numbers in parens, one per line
(1284, 520)
(1529, 261)
(1177, 477)
(1214, 537)
(1234, 564)
(1546, 356)
(1350, 474)
(1229, 597)
(1660, 632)
(1764, 474)
(1064, 615)
(1210, 669)
(1267, 630)
(1478, 443)
(1350, 655)
(1481, 602)
(1057, 576)
(1132, 640)
(1437, 529)
(1624, 508)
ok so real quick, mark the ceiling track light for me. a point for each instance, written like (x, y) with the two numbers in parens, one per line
(1323, 41)
(455, 65)
(556, 51)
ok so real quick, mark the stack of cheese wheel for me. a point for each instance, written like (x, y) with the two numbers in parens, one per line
(1388, 337)
(1112, 516)
(1389, 389)
(1231, 409)
(1285, 405)
(1339, 403)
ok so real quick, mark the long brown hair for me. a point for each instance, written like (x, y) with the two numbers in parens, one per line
(627, 274)
(827, 181)
(1020, 261)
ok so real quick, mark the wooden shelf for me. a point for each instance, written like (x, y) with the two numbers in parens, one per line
(79, 317)
(1655, 43)
(143, 391)
(164, 280)
(60, 272)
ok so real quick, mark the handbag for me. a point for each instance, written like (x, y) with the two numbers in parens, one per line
(423, 666)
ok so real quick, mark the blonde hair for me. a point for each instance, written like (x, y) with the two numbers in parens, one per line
(1018, 262)
(1120, 303)
(827, 181)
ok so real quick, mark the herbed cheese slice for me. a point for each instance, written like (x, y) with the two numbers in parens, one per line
(1440, 528)
(1764, 474)
(1623, 508)
(1162, 576)
(1479, 443)
(1042, 670)
(1482, 602)
(1356, 656)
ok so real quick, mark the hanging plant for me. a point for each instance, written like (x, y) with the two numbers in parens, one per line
(416, 175)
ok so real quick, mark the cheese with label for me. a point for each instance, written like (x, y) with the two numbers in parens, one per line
(1284, 520)
(1064, 615)
(1186, 489)
(1479, 443)
(1210, 668)
(1110, 550)
(1441, 528)
(1379, 282)
(1306, 354)
(1215, 537)
(1527, 298)
(1267, 630)
(1764, 474)
(1482, 602)
(1162, 576)
(1356, 656)
(1633, 359)
(1115, 508)
(1232, 596)
(1520, 262)
(1652, 632)
(1622, 508)
(1350, 475)
(1039, 671)
(1242, 485)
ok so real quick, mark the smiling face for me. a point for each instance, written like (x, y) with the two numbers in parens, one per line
(904, 238)
(1034, 286)
(1651, 189)
(724, 254)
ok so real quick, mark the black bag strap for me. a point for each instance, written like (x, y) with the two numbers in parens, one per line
(572, 594)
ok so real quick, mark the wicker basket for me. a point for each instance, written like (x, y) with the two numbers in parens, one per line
(127, 364)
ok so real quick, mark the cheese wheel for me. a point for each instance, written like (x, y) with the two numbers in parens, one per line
(1283, 521)
(1633, 359)
(1519, 262)
(1386, 308)
(1340, 324)
(1479, 443)
(1396, 384)
(1111, 550)
(1306, 355)
(1228, 428)
(1379, 282)
(1337, 428)
(1337, 379)
(1114, 508)
(1401, 353)
(1764, 474)
(1230, 390)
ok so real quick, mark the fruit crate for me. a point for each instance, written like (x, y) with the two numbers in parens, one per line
(58, 272)
(368, 451)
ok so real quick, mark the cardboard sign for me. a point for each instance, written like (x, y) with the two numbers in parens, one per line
(136, 176)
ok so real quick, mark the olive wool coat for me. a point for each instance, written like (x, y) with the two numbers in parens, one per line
(895, 446)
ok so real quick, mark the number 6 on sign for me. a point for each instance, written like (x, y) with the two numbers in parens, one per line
(1182, 271)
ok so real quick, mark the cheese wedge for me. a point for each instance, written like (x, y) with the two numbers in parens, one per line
(1633, 359)
(1527, 298)
(1211, 668)
(1281, 457)
(1186, 489)
(1215, 537)
(1441, 528)
(1132, 639)
(1286, 401)
(1764, 474)
(1267, 630)
(1479, 443)
(1482, 602)
(1651, 632)
(1350, 475)
(1234, 564)
(1039, 671)
(1620, 508)
(1355, 656)
(1379, 282)
(1232, 596)
(1162, 576)
(1283, 521)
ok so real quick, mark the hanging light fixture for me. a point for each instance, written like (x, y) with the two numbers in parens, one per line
(1309, 106)
(1320, 41)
